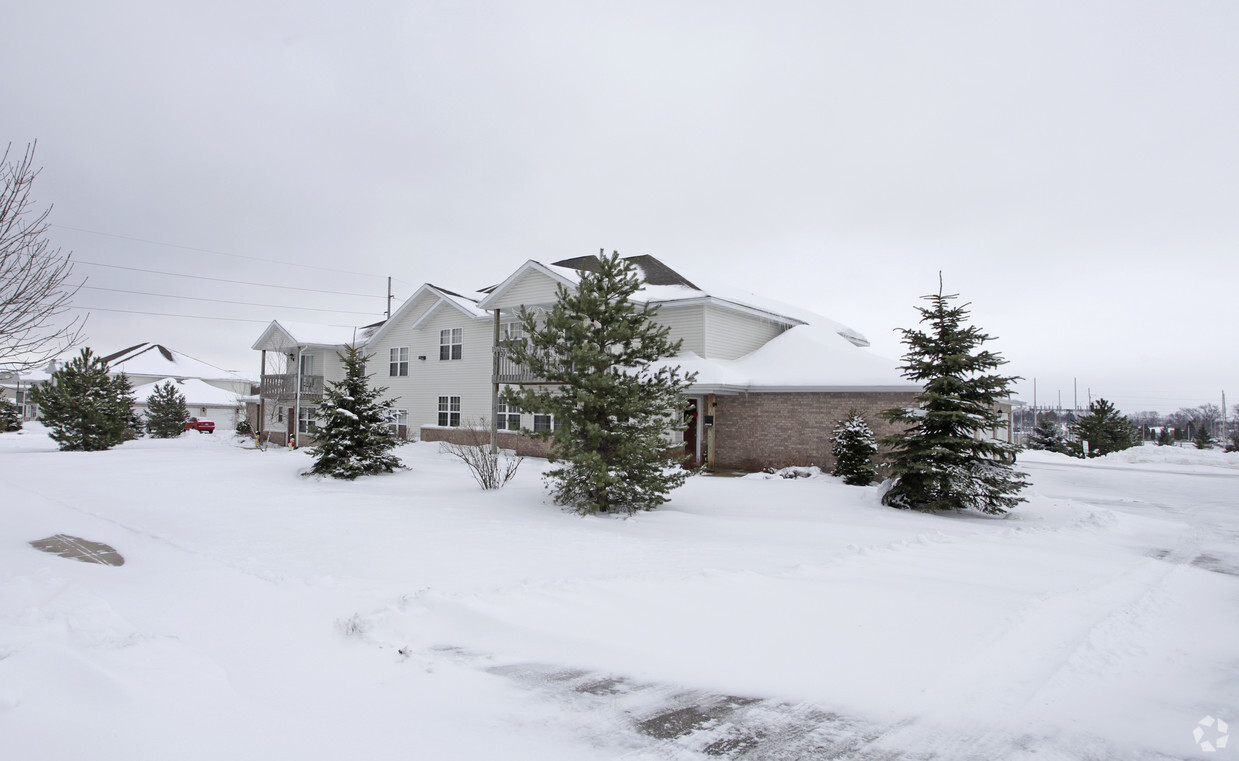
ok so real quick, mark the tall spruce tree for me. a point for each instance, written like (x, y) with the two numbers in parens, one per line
(853, 446)
(166, 412)
(1105, 430)
(612, 411)
(943, 460)
(355, 425)
(85, 409)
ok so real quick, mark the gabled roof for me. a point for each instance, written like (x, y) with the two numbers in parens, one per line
(465, 304)
(664, 286)
(282, 334)
(652, 270)
(159, 361)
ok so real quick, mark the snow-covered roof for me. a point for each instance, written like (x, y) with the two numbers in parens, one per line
(802, 358)
(159, 361)
(286, 334)
(663, 285)
(197, 393)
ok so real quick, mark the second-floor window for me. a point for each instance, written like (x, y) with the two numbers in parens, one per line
(399, 361)
(450, 341)
(307, 364)
(449, 411)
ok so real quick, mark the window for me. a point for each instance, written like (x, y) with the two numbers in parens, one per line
(305, 420)
(449, 411)
(509, 418)
(400, 423)
(279, 414)
(450, 342)
(399, 361)
(307, 364)
(543, 422)
(511, 331)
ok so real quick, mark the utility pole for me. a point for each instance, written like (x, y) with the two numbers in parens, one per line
(1075, 396)
(389, 297)
(1034, 403)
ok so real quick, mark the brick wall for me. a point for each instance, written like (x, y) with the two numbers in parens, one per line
(524, 446)
(756, 431)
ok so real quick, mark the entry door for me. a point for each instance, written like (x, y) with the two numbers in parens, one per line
(690, 434)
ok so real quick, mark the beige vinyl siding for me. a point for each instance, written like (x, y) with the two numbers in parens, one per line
(532, 288)
(731, 335)
(687, 324)
(467, 377)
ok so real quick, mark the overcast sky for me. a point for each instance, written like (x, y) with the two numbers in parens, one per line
(1072, 168)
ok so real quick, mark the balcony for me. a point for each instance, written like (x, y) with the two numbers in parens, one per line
(285, 386)
(508, 370)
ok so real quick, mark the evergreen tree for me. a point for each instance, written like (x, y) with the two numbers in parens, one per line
(853, 446)
(84, 408)
(944, 460)
(127, 404)
(166, 412)
(612, 411)
(1104, 429)
(1049, 436)
(1204, 437)
(10, 416)
(1165, 438)
(355, 432)
(1233, 444)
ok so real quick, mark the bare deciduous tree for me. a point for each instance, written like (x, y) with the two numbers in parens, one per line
(34, 280)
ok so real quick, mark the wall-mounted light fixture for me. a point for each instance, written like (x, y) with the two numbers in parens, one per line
(422, 357)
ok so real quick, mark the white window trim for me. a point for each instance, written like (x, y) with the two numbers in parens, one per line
(451, 342)
(398, 362)
(448, 411)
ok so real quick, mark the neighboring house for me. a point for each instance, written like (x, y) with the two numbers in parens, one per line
(16, 387)
(201, 399)
(772, 380)
(147, 363)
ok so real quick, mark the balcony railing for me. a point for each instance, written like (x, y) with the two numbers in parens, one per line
(285, 386)
(508, 370)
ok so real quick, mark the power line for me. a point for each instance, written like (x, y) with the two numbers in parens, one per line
(223, 301)
(212, 251)
(234, 282)
(186, 316)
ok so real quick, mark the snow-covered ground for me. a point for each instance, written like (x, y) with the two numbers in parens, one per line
(264, 615)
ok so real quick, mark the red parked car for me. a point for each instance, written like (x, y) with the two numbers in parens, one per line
(200, 425)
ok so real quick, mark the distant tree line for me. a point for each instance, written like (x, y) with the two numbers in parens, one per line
(1064, 430)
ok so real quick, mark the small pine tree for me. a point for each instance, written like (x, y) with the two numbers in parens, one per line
(613, 413)
(1204, 437)
(944, 460)
(85, 409)
(1049, 436)
(1104, 429)
(355, 432)
(128, 404)
(10, 416)
(166, 412)
(1233, 444)
(1165, 437)
(853, 446)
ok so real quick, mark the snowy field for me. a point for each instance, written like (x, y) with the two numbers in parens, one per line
(263, 615)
